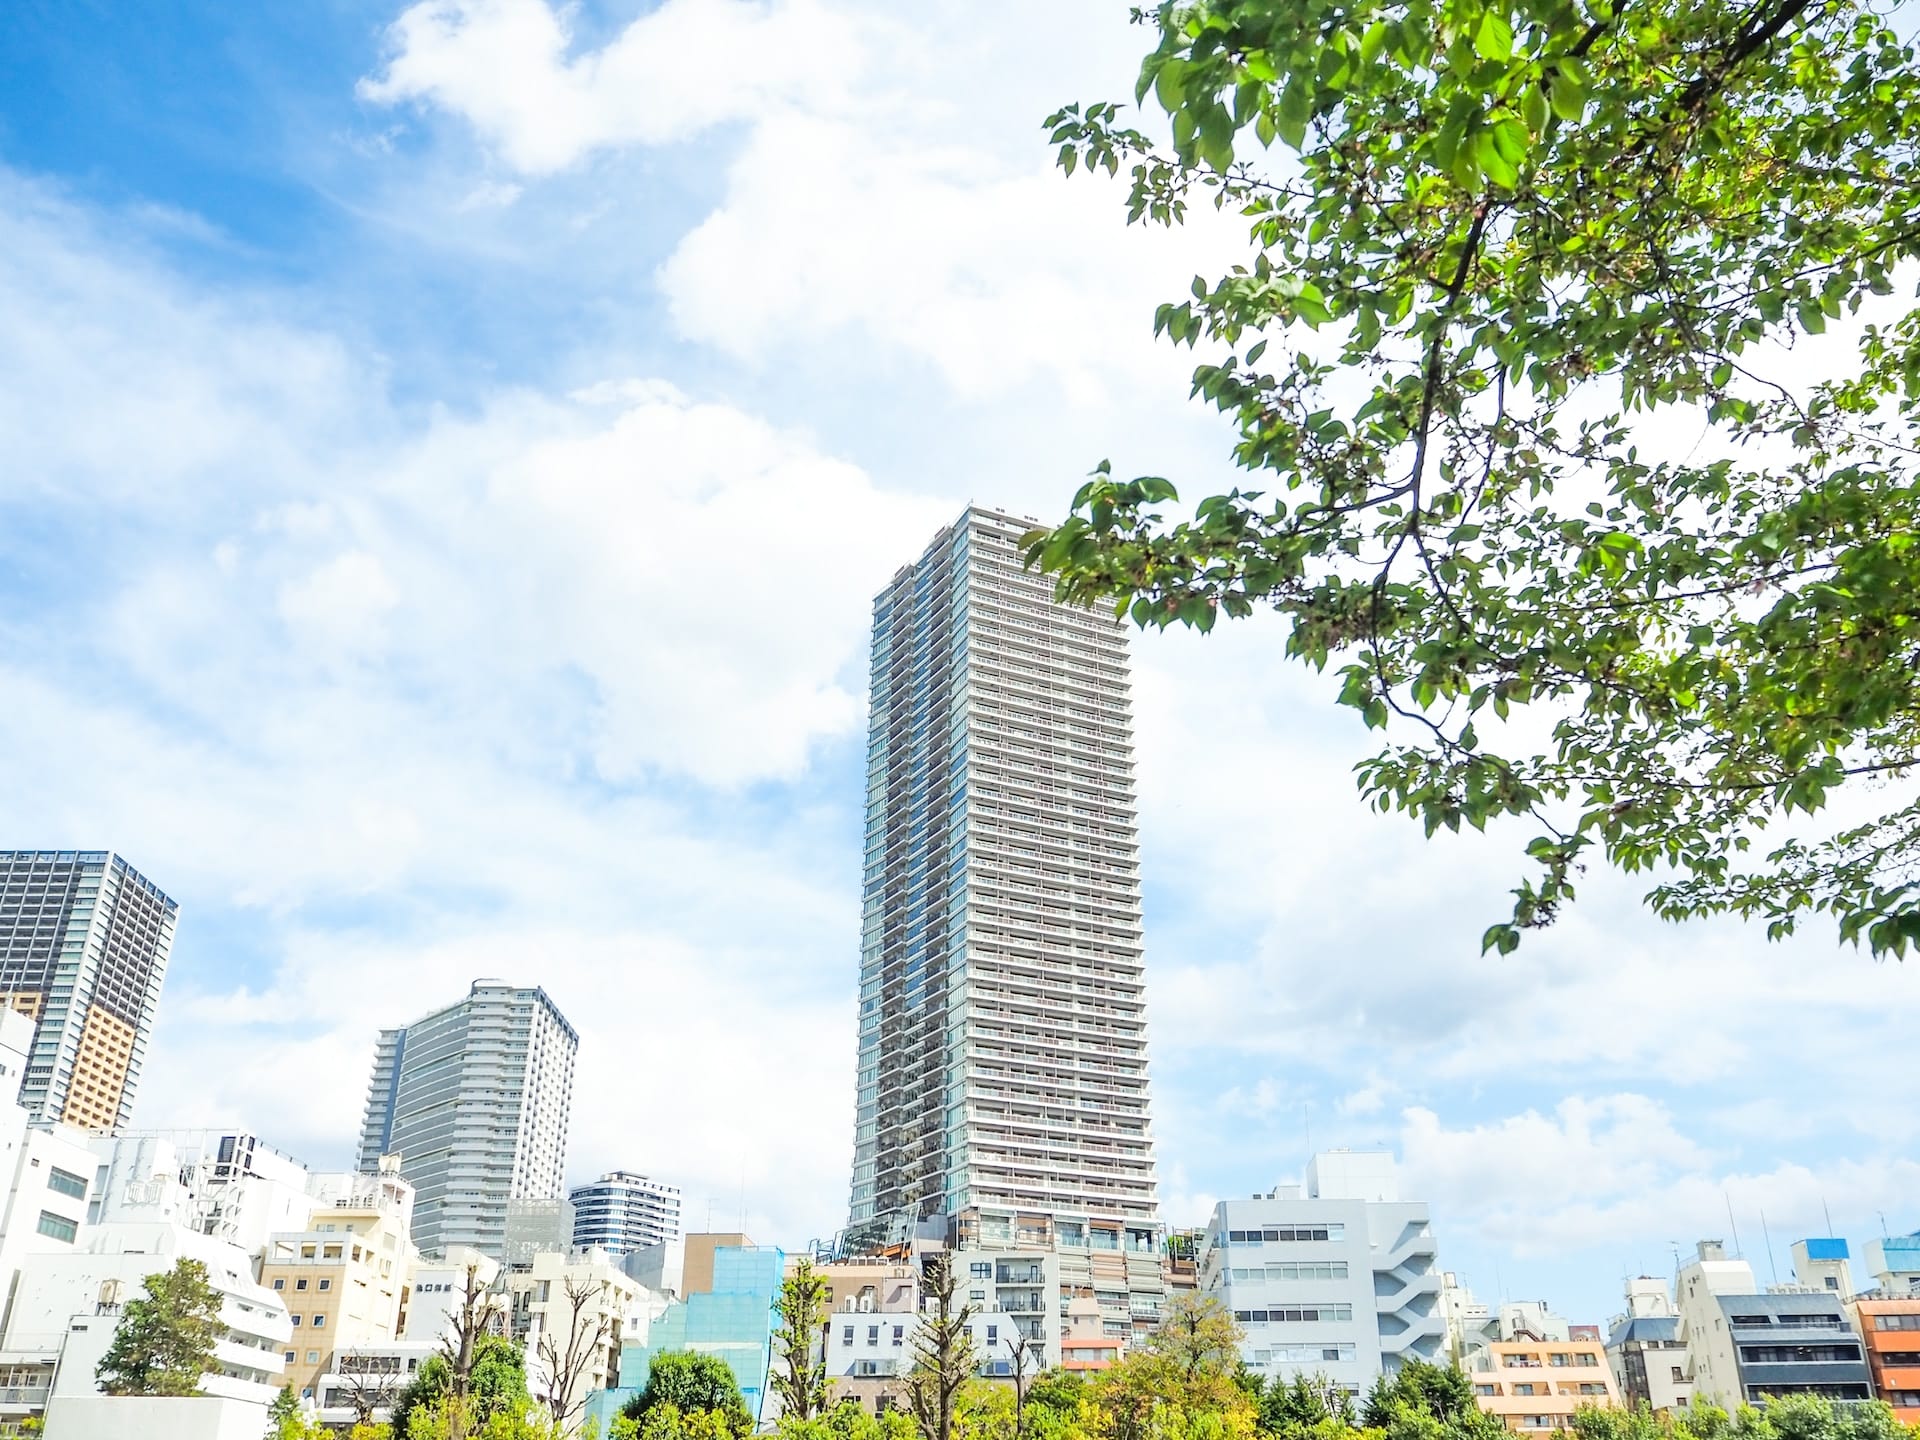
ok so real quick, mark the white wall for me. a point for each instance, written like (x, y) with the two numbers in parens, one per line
(114, 1417)
(28, 1159)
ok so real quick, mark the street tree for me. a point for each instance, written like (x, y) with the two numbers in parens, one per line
(700, 1391)
(164, 1342)
(800, 1363)
(944, 1359)
(567, 1352)
(1510, 362)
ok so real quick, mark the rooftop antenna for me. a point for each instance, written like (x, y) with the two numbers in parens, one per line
(1767, 1235)
(1733, 1224)
(1828, 1213)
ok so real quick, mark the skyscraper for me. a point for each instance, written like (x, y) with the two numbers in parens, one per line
(84, 939)
(1003, 1038)
(622, 1212)
(474, 1099)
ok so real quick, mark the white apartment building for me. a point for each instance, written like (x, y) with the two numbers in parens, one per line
(1003, 1041)
(225, 1184)
(67, 1306)
(622, 1212)
(1338, 1277)
(545, 1318)
(474, 1098)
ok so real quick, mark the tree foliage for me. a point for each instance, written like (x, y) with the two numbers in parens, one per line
(800, 1363)
(1534, 468)
(496, 1385)
(1185, 1374)
(164, 1342)
(691, 1385)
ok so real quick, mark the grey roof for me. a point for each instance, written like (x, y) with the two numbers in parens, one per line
(1644, 1327)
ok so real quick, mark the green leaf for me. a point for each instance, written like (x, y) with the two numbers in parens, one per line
(1494, 37)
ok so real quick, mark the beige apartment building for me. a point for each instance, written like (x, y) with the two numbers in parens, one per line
(1536, 1385)
(343, 1277)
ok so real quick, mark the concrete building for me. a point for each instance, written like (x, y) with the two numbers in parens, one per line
(1890, 1330)
(66, 1307)
(436, 1289)
(474, 1098)
(341, 1276)
(869, 1351)
(1340, 1278)
(1535, 1385)
(659, 1268)
(1644, 1349)
(1894, 1263)
(1002, 1077)
(84, 941)
(226, 1184)
(1746, 1346)
(559, 1334)
(1085, 1345)
(622, 1212)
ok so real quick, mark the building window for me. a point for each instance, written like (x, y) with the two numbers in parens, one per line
(846, 1335)
(873, 1334)
(899, 1335)
(279, 1282)
(319, 1321)
(300, 1284)
(66, 1184)
(291, 1357)
(57, 1226)
(313, 1357)
(326, 1284)
(296, 1321)
(980, 1270)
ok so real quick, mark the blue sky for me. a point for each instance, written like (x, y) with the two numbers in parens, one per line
(446, 456)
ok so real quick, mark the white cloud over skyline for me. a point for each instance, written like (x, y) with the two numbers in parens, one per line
(399, 681)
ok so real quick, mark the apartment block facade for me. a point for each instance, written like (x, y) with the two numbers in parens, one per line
(1002, 1076)
(1746, 1346)
(84, 944)
(1337, 1277)
(1535, 1385)
(622, 1212)
(1890, 1330)
(474, 1099)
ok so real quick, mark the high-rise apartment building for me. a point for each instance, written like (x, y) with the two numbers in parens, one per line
(1003, 1037)
(622, 1212)
(474, 1099)
(84, 939)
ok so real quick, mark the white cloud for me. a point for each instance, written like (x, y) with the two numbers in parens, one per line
(1615, 1170)
(512, 70)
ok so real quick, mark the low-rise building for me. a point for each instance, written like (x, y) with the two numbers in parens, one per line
(1894, 1263)
(1890, 1330)
(1745, 1346)
(1337, 1278)
(574, 1313)
(1644, 1349)
(1085, 1345)
(341, 1276)
(1536, 1385)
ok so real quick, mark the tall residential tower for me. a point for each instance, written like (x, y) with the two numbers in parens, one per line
(84, 939)
(1003, 1035)
(474, 1099)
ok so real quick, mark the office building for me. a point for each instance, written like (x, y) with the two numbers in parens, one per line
(1002, 1077)
(474, 1098)
(573, 1313)
(622, 1212)
(1336, 1277)
(1890, 1329)
(1644, 1351)
(1746, 1346)
(341, 1276)
(84, 940)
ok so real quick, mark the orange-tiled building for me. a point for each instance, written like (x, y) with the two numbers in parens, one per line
(1891, 1330)
(1536, 1385)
